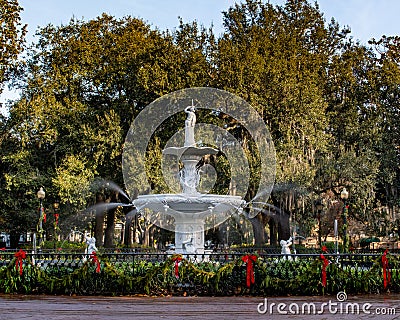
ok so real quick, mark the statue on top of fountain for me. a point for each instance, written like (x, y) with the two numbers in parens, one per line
(190, 155)
(189, 126)
(189, 176)
(191, 118)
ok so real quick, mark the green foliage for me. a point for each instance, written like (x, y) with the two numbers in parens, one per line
(64, 246)
(272, 277)
(12, 35)
(73, 180)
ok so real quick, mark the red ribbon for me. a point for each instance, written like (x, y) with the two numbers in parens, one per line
(325, 263)
(385, 270)
(249, 259)
(2, 249)
(93, 255)
(42, 214)
(176, 266)
(56, 216)
(20, 255)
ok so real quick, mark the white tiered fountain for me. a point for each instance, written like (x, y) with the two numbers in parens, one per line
(189, 209)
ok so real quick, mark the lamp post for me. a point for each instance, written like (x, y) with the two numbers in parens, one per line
(56, 206)
(319, 207)
(344, 195)
(335, 231)
(41, 194)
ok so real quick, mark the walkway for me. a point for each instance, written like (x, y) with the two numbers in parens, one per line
(209, 308)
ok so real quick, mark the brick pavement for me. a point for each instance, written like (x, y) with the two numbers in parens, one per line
(19, 307)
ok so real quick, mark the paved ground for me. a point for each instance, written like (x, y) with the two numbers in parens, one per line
(18, 307)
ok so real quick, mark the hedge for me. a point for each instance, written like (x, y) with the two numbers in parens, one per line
(179, 276)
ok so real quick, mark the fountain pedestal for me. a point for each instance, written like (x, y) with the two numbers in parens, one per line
(189, 236)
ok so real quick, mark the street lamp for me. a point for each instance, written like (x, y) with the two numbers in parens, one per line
(41, 194)
(319, 207)
(344, 195)
(56, 206)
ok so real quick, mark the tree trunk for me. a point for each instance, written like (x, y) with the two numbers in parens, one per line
(99, 227)
(110, 224)
(283, 228)
(273, 239)
(14, 240)
(109, 232)
(258, 230)
(99, 224)
(146, 237)
(128, 230)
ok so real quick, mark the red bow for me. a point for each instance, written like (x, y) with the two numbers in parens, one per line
(249, 259)
(95, 260)
(385, 270)
(56, 216)
(176, 267)
(325, 263)
(20, 255)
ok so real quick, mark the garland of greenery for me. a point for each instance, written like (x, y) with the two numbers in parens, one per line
(272, 277)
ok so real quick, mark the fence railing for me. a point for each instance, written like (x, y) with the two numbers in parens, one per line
(240, 250)
(75, 260)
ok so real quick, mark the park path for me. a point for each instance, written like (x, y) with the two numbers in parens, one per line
(20, 307)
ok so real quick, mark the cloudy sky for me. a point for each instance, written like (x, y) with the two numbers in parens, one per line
(366, 18)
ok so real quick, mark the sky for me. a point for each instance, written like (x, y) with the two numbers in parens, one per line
(366, 18)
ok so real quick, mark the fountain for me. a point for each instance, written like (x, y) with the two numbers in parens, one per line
(244, 164)
(190, 208)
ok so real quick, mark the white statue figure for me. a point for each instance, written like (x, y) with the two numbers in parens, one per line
(285, 247)
(191, 118)
(189, 126)
(91, 244)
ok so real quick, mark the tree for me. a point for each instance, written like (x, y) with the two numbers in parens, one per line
(76, 106)
(386, 103)
(12, 34)
(276, 59)
(82, 86)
